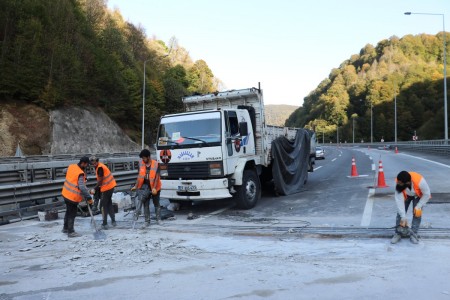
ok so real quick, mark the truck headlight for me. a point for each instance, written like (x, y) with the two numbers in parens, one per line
(215, 169)
(163, 171)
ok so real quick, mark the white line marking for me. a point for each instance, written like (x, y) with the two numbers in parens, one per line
(333, 159)
(318, 168)
(213, 213)
(440, 164)
(367, 214)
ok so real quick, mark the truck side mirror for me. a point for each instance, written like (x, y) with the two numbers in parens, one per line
(243, 129)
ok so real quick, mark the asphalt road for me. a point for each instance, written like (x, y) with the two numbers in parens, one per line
(284, 248)
(332, 198)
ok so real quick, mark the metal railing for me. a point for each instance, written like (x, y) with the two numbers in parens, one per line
(35, 180)
(440, 147)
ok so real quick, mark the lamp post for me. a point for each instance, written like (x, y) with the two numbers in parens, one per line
(445, 70)
(143, 105)
(353, 129)
(395, 117)
(371, 122)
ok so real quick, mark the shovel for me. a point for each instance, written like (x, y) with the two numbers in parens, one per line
(137, 212)
(98, 234)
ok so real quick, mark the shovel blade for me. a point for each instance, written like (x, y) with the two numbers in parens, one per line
(99, 235)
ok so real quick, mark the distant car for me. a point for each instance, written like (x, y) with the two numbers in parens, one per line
(320, 153)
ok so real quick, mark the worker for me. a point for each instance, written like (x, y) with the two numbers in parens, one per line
(148, 184)
(410, 187)
(106, 184)
(73, 192)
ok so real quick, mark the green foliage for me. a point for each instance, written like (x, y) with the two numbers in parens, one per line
(76, 52)
(407, 69)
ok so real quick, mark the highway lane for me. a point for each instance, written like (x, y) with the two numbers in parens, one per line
(334, 199)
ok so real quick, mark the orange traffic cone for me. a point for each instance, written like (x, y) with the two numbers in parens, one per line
(396, 150)
(354, 171)
(381, 180)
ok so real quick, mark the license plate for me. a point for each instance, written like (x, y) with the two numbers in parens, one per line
(187, 188)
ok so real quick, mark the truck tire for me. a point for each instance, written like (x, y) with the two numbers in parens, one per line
(248, 194)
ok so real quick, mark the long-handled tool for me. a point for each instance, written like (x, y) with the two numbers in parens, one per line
(98, 234)
(137, 212)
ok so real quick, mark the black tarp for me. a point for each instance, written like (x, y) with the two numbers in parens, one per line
(290, 162)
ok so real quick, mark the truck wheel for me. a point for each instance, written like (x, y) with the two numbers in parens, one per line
(249, 192)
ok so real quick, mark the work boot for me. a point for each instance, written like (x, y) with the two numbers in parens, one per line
(113, 223)
(105, 226)
(73, 234)
(413, 239)
(147, 224)
(65, 230)
(396, 238)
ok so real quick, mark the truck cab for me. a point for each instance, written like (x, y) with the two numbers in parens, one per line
(199, 151)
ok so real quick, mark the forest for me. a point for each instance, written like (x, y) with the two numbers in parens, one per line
(407, 71)
(59, 53)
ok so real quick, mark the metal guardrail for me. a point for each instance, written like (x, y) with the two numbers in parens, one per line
(439, 147)
(31, 181)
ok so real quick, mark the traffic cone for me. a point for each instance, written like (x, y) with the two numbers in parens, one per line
(396, 150)
(354, 171)
(381, 180)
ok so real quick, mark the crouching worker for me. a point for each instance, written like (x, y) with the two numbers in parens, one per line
(73, 192)
(412, 188)
(148, 184)
(106, 184)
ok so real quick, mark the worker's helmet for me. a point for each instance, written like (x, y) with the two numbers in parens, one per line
(144, 153)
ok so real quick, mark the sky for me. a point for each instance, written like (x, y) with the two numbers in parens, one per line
(289, 46)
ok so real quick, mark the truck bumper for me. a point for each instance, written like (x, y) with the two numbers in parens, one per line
(211, 189)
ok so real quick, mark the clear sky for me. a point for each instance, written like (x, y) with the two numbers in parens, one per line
(289, 46)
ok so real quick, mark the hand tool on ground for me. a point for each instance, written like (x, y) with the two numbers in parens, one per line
(98, 234)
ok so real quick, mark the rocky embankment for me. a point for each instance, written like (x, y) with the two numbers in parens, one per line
(64, 131)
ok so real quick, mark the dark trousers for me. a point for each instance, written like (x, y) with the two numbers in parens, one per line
(145, 195)
(416, 220)
(71, 213)
(107, 207)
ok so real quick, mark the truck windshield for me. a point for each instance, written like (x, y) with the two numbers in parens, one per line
(201, 129)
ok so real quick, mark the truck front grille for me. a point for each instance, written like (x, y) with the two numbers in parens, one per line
(198, 170)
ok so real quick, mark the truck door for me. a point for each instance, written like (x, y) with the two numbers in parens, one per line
(232, 141)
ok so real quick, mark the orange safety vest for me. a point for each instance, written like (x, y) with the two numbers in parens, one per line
(108, 179)
(70, 189)
(415, 179)
(152, 175)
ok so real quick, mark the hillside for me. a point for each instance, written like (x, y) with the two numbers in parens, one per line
(278, 114)
(66, 53)
(63, 131)
(407, 70)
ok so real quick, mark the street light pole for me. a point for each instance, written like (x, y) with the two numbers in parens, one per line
(371, 122)
(445, 70)
(395, 119)
(353, 130)
(143, 106)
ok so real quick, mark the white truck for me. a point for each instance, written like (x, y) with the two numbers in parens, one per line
(219, 148)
